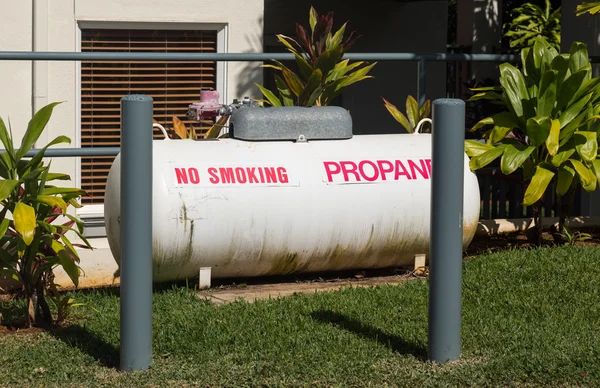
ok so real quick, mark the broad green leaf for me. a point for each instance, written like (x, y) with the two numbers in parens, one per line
(547, 94)
(502, 119)
(596, 167)
(592, 186)
(475, 148)
(569, 88)
(587, 87)
(538, 185)
(305, 68)
(553, 138)
(296, 86)
(486, 158)
(412, 110)
(313, 83)
(497, 134)
(65, 240)
(25, 222)
(286, 42)
(357, 76)
(58, 177)
(572, 111)
(538, 130)
(62, 191)
(313, 19)
(8, 144)
(494, 96)
(496, 88)
(591, 7)
(513, 157)
(4, 226)
(562, 156)
(561, 64)
(579, 57)
(328, 59)
(273, 100)
(6, 188)
(425, 110)
(585, 174)
(317, 95)
(35, 128)
(284, 92)
(566, 133)
(564, 180)
(586, 145)
(336, 38)
(67, 262)
(53, 201)
(514, 86)
(483, 122)
(37, 159)
(398, 116)
(341, 69)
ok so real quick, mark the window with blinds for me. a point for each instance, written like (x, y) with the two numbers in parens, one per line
(172, 85)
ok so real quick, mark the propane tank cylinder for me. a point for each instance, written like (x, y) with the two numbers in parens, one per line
(280, 207)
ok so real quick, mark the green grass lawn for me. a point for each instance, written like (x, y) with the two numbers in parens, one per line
(530, 318)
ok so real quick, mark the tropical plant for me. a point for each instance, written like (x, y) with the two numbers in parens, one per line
(33, 236)
(591, 7)
(180, 131)
(547, 129)
(531, 21)
(322, 74)
(414, 113)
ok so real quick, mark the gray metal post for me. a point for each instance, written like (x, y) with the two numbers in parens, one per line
(445, 260)
(136, 232)
(421, 95)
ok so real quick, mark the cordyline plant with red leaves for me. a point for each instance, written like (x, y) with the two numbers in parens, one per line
(322, 73)
(31, 244)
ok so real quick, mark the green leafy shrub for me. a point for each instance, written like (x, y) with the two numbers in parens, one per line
(322, 74)
(547, 129)
(531, 21)
(32, 237)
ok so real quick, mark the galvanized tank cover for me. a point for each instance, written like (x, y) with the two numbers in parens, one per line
(291, 123)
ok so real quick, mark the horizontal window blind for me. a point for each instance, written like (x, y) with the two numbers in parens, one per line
(172, 85)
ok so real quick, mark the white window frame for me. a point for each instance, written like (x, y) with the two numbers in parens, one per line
(96, 211)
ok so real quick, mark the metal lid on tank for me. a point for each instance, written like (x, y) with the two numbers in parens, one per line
(291, 123)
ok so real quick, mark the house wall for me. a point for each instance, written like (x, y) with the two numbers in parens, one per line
(385, 26)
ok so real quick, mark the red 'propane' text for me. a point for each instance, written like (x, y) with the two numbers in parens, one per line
(377, 170)
(232, 175)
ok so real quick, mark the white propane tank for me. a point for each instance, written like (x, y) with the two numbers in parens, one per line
(271, 208)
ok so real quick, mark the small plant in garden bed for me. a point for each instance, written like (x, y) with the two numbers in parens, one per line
(34, 221)
(322, 73)
(548, 126)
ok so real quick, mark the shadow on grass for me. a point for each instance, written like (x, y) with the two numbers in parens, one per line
(90, 343)
(354, 326)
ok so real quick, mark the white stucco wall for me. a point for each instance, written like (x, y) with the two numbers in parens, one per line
(15, 76)
(243, 33)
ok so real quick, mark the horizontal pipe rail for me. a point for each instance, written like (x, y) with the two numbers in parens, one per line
(242, 57)
(74, 152)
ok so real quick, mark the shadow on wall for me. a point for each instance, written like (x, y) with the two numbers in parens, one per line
(251, 72)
